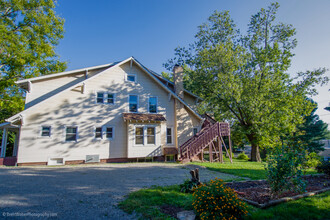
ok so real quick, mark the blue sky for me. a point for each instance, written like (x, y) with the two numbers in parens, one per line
(103, 31)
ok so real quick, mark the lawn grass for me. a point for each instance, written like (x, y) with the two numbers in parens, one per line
(315, 207)
(242, 168)
(147, 202)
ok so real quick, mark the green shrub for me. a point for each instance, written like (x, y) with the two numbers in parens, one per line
(216, 201)
(324, 167)
(312, 160)
(284, 170)
(242, 156)
(188, 186)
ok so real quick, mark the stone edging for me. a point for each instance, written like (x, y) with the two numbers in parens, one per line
(284, 199)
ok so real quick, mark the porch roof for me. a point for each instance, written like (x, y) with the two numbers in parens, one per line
(8, 125)
(143, 117)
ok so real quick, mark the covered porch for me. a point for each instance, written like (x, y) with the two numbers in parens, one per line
(9, 136)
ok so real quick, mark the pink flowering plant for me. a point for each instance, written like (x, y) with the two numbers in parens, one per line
(285, 169)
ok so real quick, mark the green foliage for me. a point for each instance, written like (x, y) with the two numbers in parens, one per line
(245, 79)
(284, 170)
(29, 32)
(167, 76)
(312, 160)
(242, 156)
(216, 201)
(309, 133)
(324, 167)
(188, 186)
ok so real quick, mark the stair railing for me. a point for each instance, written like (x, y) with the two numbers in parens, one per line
(196, 144)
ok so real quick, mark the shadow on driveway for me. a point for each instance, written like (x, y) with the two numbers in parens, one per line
(84, 192)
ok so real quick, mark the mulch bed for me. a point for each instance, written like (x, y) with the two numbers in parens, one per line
(259, 191)
(171, 210)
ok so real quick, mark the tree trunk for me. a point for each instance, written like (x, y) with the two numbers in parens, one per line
(255, 154)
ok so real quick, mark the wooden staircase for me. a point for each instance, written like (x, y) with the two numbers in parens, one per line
(210, 137)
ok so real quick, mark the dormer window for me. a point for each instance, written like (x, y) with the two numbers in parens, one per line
(131, 77)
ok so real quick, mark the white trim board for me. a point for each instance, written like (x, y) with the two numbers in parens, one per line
(64, 73)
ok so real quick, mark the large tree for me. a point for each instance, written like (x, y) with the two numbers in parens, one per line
(29, 32)
(244, 78)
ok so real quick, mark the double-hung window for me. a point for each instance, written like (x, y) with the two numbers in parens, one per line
(110, 98)
(105, 98)
(169, 135)
(109, 132)
(133, 103)
(45, 131)
(71, 134)
(152, 104)
(98, 132)
(151, 135)
(99, 98)
(139, 135)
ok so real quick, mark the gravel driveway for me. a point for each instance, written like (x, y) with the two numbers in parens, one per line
(83, 192)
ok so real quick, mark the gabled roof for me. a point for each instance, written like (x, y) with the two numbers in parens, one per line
(65, 73)
(20, 115)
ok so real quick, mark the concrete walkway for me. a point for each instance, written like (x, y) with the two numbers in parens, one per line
(86, 191)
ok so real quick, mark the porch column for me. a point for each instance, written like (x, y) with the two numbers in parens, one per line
(4, 142)
(16, 143)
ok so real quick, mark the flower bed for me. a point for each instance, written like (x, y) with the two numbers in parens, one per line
(257, 192)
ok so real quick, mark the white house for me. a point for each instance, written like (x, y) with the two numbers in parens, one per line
(110, 113)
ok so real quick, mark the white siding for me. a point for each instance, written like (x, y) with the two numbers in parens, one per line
(43, 89)
(72, 108)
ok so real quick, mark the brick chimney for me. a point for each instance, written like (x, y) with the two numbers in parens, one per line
(178, 80)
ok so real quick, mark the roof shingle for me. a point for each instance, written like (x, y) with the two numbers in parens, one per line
(143, 117)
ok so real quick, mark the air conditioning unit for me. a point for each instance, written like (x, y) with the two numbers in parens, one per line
(92, 159)
(55, 161)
